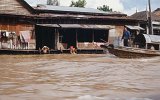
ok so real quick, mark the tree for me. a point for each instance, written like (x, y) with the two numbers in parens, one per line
(79, 3)
(53, 2)
(105, 8)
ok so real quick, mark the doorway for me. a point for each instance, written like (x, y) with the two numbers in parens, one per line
(45, 36)
(68, 36)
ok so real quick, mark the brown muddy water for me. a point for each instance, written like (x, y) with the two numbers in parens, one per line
(78, 77)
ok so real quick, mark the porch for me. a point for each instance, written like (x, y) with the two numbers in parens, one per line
(62, 36)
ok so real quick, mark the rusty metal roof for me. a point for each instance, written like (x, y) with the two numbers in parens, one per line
(157, 12)
(143, 16)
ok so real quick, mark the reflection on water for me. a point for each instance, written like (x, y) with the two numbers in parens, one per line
(78, 77)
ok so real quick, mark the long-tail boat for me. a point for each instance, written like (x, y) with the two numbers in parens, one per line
(130, 52)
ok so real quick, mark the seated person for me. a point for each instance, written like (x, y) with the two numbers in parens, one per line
(45, 49)
(72, 50)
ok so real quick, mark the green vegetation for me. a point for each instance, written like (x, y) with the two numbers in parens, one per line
(79, 3)
(105, 8)
(53, 2)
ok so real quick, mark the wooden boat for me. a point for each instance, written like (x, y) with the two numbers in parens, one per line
(129, 52)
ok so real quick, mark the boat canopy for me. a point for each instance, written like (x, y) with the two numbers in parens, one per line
(156, 27)
(152, 38)
(134, 27)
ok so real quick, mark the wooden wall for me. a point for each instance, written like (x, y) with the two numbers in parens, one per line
(16, 27)
(115, 33)
(13, 7)
(119, 30)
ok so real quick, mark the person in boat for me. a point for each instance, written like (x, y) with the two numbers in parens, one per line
(126, 37)
(139, 40)
(136, 40)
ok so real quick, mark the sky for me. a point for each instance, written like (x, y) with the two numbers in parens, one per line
(128, 7)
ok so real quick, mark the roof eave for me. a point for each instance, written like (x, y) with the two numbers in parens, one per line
(77, 13)
(27, 6)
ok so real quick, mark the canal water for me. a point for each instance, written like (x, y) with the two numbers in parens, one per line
(78, 77)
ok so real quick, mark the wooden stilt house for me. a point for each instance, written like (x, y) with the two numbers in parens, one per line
(59, 27)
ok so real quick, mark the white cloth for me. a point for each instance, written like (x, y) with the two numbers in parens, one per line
(25, 36)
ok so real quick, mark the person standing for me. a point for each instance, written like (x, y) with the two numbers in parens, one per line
(126, 36)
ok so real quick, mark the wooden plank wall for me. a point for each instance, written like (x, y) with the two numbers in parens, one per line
(119, 30)
(16, 28)
(12, 7)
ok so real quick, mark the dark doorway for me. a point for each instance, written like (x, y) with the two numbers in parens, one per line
(101, 35)
(90, 35)
(45, 36)
(85, 35)
(68, 37)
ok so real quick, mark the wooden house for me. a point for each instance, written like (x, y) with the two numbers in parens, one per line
(143, 16)
(59, 27)
(157, 12)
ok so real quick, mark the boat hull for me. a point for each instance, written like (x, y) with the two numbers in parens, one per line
(132, 52)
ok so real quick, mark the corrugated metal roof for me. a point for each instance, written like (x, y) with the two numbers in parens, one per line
(70, 26)
(85, 26)
(97, 26)
(134, 27)
(155, 23)
(72, 9)
(77, 26)
(49, 25)
(156, 27)
(152, 38)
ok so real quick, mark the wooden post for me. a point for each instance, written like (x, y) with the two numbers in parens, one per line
(150, 19)
(56, 39)
(93, 46)
(0, 39)
(146, 46)
(93, 36)
(28, 45)
(1, 44)
(76, 39)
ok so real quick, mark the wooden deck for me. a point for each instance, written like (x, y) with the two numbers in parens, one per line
(67, 51)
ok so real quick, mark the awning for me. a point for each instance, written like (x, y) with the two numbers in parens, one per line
(70, 25)
(156, 27)
(152, 38)
(78, 26)
(104, 27)
(134, 27)
(85, 26)
(49, 25)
